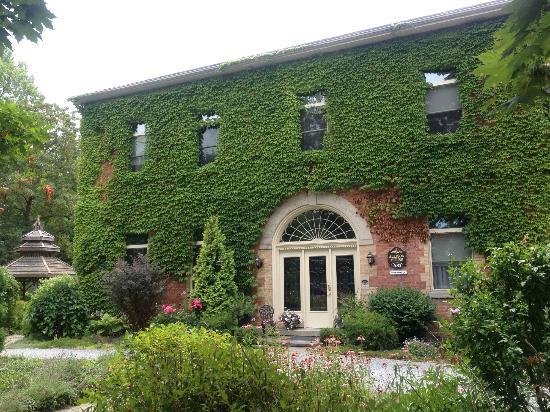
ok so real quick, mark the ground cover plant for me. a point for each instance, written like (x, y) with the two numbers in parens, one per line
(502, 322)
(45, 385)
(9, 293)
(56, 309)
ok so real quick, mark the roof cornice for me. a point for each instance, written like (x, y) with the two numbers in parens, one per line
(406, 28)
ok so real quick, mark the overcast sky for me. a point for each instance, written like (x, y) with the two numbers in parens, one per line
(97, 44)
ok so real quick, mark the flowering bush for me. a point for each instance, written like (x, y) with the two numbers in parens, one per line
(195, 305)
(290, 319)
(329, 335)
(167, 309)
(248, 335)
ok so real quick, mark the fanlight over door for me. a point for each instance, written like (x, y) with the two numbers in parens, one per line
(317, 266)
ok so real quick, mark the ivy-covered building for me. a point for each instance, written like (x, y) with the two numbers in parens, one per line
(337, 167)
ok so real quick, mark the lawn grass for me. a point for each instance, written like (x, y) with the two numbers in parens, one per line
(85, 342)
(46, 384)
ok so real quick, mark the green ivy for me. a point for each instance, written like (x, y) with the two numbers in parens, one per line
(492, 170)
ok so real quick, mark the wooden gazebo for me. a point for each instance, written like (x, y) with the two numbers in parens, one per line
(37, 260)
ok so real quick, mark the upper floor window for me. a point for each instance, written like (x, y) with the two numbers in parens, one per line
(136, 244)
(442, 103)
(448, 246)
(209, 138)
(314, 125)
(138, 147)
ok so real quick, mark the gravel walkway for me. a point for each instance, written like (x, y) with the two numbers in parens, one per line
(57, 353)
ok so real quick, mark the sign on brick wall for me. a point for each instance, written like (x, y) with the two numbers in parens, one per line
(397, 258)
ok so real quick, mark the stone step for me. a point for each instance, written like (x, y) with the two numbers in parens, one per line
(307, 332)
(301, 341)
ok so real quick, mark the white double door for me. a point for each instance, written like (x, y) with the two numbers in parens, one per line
(313, 280)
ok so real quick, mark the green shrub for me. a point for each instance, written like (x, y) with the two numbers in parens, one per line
(45, 384)
(412, 311)
(3, 334)
(369, 329)
(419, 348)
(19, 314)
(502, 322)
(337, 333)
(248, 335)
(136, 289)
(169, 369)
(108, 325)
(56, 309)
(214, 274)
(9, 293)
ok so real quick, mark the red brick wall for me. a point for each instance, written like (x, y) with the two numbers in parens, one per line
(174, 293)
(443, 307)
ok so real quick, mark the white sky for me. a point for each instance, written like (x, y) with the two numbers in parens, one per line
(102, 43)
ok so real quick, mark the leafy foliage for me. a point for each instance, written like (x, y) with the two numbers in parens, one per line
(370, 330)
(491, 171)
(45, 385)
(504, 322)
(56, 309)
(136, 289)
(39, 172)
(411, 311)
(521, 53)
(214, 273)
(23, 20)
(419, 348)
(9, 293)
(108, 325)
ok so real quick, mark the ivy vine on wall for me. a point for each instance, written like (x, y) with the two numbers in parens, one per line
(494, 172)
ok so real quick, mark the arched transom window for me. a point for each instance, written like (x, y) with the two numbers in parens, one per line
(318, 224)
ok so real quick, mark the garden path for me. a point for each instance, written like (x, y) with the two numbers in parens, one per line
(383, 372)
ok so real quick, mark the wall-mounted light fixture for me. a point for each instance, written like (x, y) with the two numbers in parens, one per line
(259, 262)
(370, 258)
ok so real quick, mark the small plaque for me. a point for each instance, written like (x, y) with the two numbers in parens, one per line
(397, 258)
(398, 272)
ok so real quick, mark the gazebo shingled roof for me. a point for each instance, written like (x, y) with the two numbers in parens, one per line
(37, 258)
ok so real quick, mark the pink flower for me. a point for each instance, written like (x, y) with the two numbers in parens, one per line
(361, 339)
(195, 304)
(455, 311)
(167, 309)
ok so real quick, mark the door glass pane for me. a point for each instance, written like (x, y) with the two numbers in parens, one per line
(317, 283)
(292, 283)
(345, 279)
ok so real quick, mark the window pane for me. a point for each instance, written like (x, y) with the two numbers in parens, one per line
(445, 246)
(138, 146)
(436, 79)
(444, 122)
(442, 99)
(209, 141)
(207, 155)
(317, 283)
(292, 283)
(313, 140)
(441, 276)
(345, 279)
(136, 239)
(137, 163)
(448, 222)
(140, 130)
(318, 98)
(313, 119)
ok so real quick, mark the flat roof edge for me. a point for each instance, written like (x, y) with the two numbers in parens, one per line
(453, 18)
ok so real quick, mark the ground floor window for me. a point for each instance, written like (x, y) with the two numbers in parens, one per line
(447, 249)
(136, 245)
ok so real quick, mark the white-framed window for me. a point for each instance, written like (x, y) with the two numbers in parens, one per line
(138, 147)
(443, 109)
(314, 125)
(448, 247)
(136, 244)
(208, 147)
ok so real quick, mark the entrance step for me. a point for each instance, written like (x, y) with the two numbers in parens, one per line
(303, 332)
(301, 341)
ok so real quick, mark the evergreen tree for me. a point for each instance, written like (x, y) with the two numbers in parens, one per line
(214, 273)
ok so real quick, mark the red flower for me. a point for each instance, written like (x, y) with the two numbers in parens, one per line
(195, 304)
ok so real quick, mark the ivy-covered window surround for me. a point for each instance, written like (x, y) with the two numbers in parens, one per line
(314, 125)
(443, 108)
(138, 147)
(448, 247)
(209, 138)
(136, 244)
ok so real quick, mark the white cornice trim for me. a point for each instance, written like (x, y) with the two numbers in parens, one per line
(406, 28)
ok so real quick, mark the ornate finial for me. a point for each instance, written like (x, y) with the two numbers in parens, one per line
(38, 224)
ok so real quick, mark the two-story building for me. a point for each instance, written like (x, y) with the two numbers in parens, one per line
(337, 167)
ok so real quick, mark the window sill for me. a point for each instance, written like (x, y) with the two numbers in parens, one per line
(440, 294)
